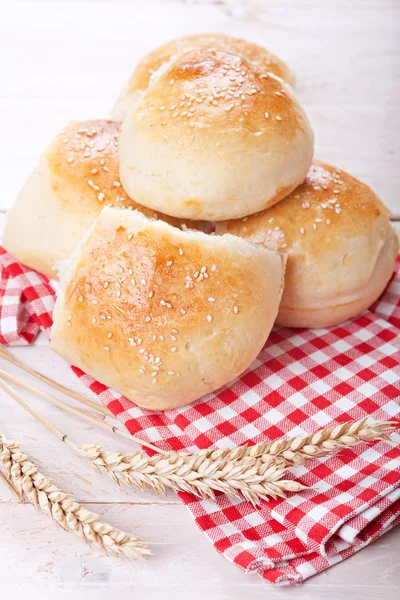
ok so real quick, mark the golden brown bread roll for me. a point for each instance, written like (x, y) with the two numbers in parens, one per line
(161, 315)
(141, 76)
(75, 178)
(339, 242)
(213, 138)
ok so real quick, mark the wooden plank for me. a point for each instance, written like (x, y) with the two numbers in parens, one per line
(40, 558)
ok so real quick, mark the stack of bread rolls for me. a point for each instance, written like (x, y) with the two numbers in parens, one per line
(207, 133)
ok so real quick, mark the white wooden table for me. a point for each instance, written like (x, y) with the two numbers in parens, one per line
(67, 60)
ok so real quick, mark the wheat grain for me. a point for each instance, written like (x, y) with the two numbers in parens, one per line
(193, 473)
(61, 507)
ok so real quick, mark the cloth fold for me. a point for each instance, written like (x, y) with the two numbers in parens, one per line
(302, 380)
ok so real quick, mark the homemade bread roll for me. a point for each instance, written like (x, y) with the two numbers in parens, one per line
(214, 137)
(162, 315)
(143, 73)
(75, 178)
(339, 243)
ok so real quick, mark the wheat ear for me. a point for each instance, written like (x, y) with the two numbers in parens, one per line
(193, 473)
(296, 450)
(61, 507)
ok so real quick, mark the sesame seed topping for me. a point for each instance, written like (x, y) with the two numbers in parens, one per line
(209, 318)
(213, 268)
(168, 263)
(174, 349)
(171, 373)
(147, 319)
(143, 281)
(101, 197)
(266, 115)
(130, 236)
(139, 341)
(80, 299)
(183, 311)
(109, 335)
(151, 294)
(314, 226)
(235, 310)
(328, 221)
(70, 159)
(106, 348)
(180, 251)
(302, 230)
(211, 299)
(173, 338)
(133, 282)
(278, 118)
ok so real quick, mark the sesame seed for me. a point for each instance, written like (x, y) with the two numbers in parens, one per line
(284, 245)
(338, 211)
(106, 348)
(302, 230)
(209, 318)
(130, 236)
(278, 118)
(147, 319)
(143, 281)
(213, 268)
(162, 302)
(183, 311)
(118, 293)
(69, 323)
(154, 374)
(94, 320)
(70, 159)
(117, 184)
(168, 305)
(161, 337)
(101, 197)
(150, 294)
(168, 263)
(80, 299)
(318, 220)
(171, 373)
(94, 171)
(314, 226)
(211, 299)
(235, 310)
(180, 251)
(328, 222)
(139, 341)
(174, 349)
(133, 282)
(109, 335)
(173, 338)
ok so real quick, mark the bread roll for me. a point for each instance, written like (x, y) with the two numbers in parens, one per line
(214, 138)
(339, 242)
(141, 76)
(161, 315)
(75, 178)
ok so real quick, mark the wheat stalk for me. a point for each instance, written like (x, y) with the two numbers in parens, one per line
(296, 450)
(61, 507)
(193, 473)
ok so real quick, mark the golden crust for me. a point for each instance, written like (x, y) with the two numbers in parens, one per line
(162, 315)
(84, 167)
(214, 137)
(335, 231)
(75, 178)
(142, 75)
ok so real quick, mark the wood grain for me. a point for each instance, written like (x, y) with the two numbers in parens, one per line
(67, 60)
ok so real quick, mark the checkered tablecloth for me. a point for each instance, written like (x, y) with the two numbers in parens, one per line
(302, 380)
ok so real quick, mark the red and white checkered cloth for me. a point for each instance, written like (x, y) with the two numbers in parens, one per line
(302, 380)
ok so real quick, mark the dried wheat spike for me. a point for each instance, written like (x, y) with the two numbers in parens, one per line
(292, 451)
(70, 515)
(192, 473)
